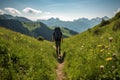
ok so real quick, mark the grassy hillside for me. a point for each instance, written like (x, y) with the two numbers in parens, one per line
(95, 53)
(14, 25)
(31, 25)
(34, 29)
(40, 29)
(25, 58)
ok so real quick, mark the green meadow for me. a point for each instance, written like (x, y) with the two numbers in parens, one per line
(25, 58)
(91, 55)
(95, 53)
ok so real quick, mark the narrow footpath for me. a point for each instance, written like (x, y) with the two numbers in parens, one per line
(59, 72)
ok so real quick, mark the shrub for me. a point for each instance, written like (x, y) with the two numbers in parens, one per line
(116, 26)
(104, 22)
(40, 38)
(117, 15)
(89, 29)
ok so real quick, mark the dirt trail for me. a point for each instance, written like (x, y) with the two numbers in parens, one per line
(59, 72)
(60, 66)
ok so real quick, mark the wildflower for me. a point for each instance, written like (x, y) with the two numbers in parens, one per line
(20, 69)
(82, 46)
(41, 49)
(114, 55)
(113, 66)
(54, 47)
(101, 50)
(99, 46)
(106, 47)
(110, 39)
(21, 35)
(108, 53)
(108, 59)
(101, 67)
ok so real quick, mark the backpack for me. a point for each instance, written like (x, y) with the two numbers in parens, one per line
(57, 35)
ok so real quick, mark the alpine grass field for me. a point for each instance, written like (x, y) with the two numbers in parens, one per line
(90, 55)
(25, 58)
(95, 53)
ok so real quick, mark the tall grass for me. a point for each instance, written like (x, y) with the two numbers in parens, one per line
(94, 55)
(25, 58)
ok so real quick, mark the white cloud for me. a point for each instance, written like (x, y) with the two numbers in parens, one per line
(1, 12)
(47, 12)
(118, 10)
(31, 10)
(12, 10)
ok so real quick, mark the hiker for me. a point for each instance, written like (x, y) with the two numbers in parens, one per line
(57, 38)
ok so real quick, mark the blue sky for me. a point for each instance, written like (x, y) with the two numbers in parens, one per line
(63, 9)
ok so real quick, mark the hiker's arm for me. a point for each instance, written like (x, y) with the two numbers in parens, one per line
(53, 39)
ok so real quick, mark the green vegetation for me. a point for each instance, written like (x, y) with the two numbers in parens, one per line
(104, 22)
(31, 26)
(94, 54)
(25, 58)
(27, 27)
(66, 32)
(91, 55)
(40, 38)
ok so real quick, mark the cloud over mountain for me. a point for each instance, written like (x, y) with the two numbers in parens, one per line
(1, 12)
(12, 10)
(31, 10)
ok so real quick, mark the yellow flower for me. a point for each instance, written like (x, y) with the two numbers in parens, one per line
(108, 59)
(106, 47)
(21, 34)
(82, 46)
(101, 50)
(99, 45)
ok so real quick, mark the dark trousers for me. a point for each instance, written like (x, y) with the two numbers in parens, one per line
(58, 47)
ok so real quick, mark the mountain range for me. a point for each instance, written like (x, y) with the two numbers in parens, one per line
(31, 28)
(78, 25)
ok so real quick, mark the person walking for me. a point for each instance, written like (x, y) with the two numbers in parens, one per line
(57, 38)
